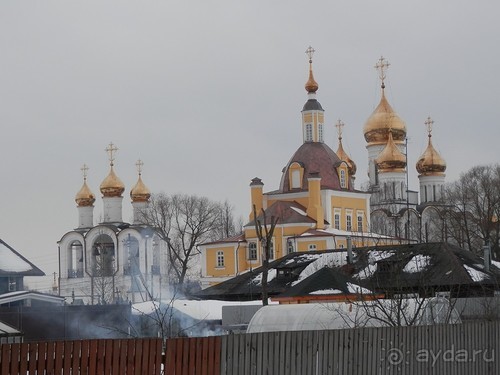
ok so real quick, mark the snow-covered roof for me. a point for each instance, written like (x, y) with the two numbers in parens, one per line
(30, 295)
(13, 263)
(196, 309)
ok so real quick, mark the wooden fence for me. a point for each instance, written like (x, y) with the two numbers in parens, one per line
(469, 348)
(111, 357)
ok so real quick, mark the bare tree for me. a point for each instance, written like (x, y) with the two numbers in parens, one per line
(184, 221)
(227, 225)
(475, 205)
(265, 232)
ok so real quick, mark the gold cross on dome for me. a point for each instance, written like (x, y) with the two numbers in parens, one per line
(429, 122)
(110, 150)
(339, 125)
(139, 165)
(310, 52)
(84, 169)
(382, 65)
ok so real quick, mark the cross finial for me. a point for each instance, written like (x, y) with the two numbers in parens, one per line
(382, 65)
(339, 125)
(310, 52)
(110, 150)
(139, 165)
(429, 122)
(84, 170)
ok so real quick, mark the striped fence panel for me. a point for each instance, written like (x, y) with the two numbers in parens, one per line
(192, 356)
(110, 357)
(469, 348)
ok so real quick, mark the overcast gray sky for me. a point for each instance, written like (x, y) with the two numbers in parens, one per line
(208, 94)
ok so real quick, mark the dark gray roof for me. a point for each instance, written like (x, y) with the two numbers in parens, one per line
(415, 268)
(312, 104)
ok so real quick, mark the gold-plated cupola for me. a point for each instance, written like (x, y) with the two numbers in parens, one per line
(140, 192)
(384, 118)
(85, 197)
(112, 186)
(311, 85)
(351, 166)
(430, 162)
(391, 159)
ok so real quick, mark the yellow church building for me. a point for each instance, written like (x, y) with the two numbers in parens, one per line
(316, 205)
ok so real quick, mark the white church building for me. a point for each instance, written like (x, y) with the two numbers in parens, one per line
(112, 261)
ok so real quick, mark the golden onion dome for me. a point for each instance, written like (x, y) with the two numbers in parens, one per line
(431, 163)
(311, 85)
(391, 159)
(383, 119)
(351, 166)
(112, 186)
(140, 192)
(84, 197)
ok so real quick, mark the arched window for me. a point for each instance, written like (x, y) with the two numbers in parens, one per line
(336, 219)
(103, 256)
(311, 247)
(75, 260)
(220, 259)
(131, 263)
(348, 221)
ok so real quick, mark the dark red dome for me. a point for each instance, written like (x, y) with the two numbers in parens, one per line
(314, 157)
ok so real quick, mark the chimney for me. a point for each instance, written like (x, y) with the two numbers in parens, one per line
(257, 196)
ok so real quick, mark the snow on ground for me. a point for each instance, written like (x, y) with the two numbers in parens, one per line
(417, 264)
(12, 262)
(475, 274)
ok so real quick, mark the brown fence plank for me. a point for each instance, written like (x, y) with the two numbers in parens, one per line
(15, 353)
(68, 349)
(122, 357)
(41, 349)
(138, 357)
(32, 355)
(217, 351)
(199, 351)
(49, 358)
(23, 359)
(130, 357)
(5, 358)
(84, 357)
(115, 361)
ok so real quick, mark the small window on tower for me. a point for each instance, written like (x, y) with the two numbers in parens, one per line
(320, 132)
(343, 181)
(309, 133)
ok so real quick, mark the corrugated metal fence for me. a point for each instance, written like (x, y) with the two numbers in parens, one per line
(469, 348)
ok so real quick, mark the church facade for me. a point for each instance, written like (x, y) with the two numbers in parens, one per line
(114, 260)
(316, 206)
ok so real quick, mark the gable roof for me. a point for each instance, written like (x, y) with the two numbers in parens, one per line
(14, 264)
(287, 212)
